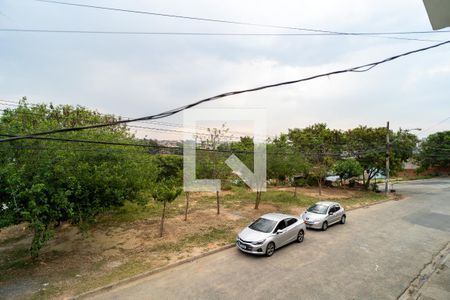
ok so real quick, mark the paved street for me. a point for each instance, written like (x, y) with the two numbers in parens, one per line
(375, 255)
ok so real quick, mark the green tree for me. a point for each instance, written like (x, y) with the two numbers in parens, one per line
(435, 151)
(166, 191)
(170, 167)
(347, 169)
(212, 164)
(283, 162)
(45, 182)
(368, 146)
(319, 146)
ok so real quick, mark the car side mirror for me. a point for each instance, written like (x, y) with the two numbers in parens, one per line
(330, 213)
(280, 231)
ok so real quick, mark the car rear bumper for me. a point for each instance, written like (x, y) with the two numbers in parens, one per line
(252, 249)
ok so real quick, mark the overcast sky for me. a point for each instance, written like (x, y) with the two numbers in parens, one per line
(142, 75)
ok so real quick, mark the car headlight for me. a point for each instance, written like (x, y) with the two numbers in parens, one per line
(259, 242)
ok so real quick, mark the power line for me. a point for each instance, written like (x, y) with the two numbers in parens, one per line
(234, 22)
(193, 131)
(361, 68)
(434, 125)
(180, 149)
(206, 34)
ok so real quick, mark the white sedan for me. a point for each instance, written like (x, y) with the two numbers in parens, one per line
(270, 232)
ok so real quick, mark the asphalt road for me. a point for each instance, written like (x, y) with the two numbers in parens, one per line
(375, 255)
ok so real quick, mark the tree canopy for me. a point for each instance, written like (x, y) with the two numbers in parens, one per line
(435, 151)
(47, 182)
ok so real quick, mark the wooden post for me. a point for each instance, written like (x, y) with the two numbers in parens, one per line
(218, 203)
(161, 228)
(187, 206)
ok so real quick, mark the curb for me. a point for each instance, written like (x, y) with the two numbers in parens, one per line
(413, 291)
(184, 261)
(376, 203)
(148, 273)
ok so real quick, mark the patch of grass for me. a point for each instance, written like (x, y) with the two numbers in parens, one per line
(418, 177)
(46, 293)
(126, 270)
(202, 239)
(13, 240)
(14, 259)
(213, 235)
(364, 198)
(287, 198)
(131, 212)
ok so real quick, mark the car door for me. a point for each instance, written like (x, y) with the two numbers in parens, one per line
(339, 213)
(291, 229)
(334, 217)
(280, 238)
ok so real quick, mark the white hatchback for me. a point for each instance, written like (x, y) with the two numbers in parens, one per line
(323, 214)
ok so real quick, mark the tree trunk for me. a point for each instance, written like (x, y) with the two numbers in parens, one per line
(218, 203)
(364, 178)
(187, 206)
(369, 177)
(320, 185)
(161, 228)
(258, 199)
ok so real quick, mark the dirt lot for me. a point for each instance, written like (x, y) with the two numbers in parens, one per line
(125, 242)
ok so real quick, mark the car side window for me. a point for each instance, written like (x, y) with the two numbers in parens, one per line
(334, 209)
(291, 221)
(280, 225)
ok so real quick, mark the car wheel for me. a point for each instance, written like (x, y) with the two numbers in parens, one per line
(300, 236)
(325, 226)
(270, 249)
(343, 219)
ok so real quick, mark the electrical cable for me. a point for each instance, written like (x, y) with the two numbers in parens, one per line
(360, 152)
(234, 22)
(223, 34)
(171, 112)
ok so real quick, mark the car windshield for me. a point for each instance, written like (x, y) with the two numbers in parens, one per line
(263, 225)
(318, 209)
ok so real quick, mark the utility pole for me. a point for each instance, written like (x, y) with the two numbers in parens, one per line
(388, 154)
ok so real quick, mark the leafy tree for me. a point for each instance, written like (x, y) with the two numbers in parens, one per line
(435, 151)
(282, 160)
(170, 167)
(165, 191)
(368, 146)
(244, 150)
(320, 146)
(347, 169)
(212, 164)
(45, 182)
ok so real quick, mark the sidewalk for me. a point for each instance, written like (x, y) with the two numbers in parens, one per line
(434, 280)
(438, 286)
